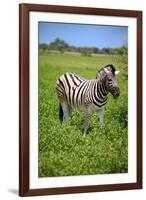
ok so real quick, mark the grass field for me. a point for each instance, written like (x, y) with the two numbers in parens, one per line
(63, 151)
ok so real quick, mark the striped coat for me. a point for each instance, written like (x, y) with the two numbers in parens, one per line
(75, 92)
(79, 92)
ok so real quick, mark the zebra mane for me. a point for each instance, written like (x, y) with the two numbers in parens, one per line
(111, 68)
(101, 72)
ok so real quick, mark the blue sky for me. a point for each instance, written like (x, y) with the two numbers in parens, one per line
(80, 35)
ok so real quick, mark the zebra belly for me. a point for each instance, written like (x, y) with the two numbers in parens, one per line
(91, 108)
(94, 108)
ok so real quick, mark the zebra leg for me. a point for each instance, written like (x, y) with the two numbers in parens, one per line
(66, 111)
(100, 117)
(86, 122)
(70, 112)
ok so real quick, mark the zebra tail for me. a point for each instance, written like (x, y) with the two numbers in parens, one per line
(60, 113)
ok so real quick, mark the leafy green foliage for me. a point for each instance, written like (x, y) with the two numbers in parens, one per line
(62, 46)
(63, 151)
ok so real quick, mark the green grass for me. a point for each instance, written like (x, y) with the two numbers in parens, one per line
(63, 151)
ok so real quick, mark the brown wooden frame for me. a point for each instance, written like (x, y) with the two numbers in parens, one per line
(24, 10)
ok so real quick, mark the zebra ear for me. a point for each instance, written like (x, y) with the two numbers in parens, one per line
(117, 72)
(106, 70)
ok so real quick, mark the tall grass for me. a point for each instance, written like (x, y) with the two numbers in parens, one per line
(62, 149)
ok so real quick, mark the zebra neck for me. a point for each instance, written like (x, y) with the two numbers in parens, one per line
(99, 95)
(101, 89)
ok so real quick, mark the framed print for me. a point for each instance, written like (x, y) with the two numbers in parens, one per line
(80, 99)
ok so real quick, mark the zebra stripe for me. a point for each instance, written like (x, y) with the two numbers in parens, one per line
(77, 91)
(86, 95)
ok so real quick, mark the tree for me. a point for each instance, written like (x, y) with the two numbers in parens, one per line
(43, 46)
(59, 45)
(106, 50)
(95, 50)
(123, 54)
(86, 51)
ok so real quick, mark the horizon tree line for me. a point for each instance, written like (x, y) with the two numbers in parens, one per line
(62, 46)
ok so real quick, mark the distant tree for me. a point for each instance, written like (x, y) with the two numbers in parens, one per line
(43, 46)
(85, 51)
(59, 45)
(95, 50)
(123, 55)
(106, 50)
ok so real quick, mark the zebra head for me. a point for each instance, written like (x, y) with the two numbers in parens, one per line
(108, 75)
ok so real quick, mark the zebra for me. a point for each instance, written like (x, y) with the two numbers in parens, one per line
(76, 92)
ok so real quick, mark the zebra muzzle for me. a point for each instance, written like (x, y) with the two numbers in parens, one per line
(116, 92)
